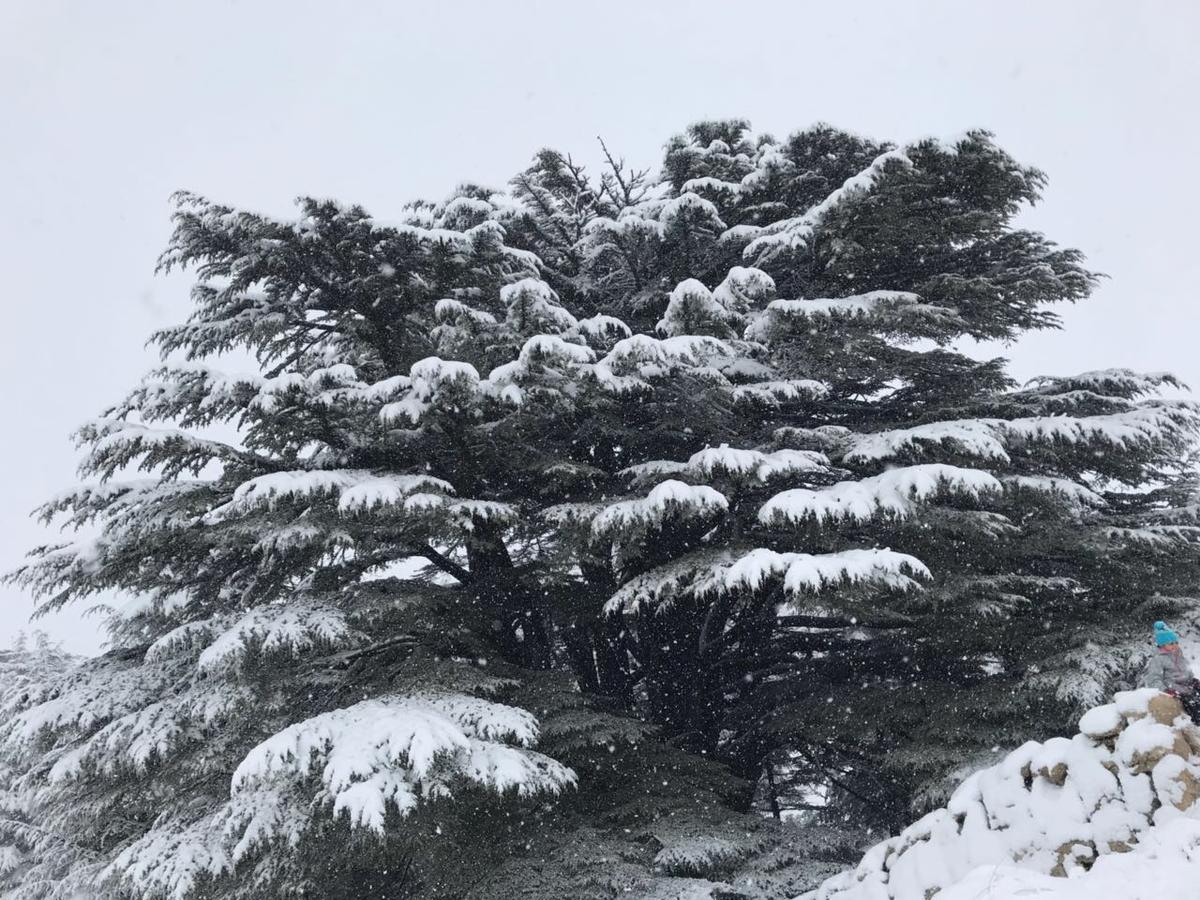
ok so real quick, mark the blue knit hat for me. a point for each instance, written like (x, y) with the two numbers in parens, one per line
(1164, 635)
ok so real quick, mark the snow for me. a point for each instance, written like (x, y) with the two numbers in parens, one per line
(387, 491)
(707, 183)
(893, 493)
(1124, 383)
(449, 309)
(399, 750)
(1101, 721)
(654, 469)
(355, 490)
(688, 203)
(533, 306)
(1135, 428)
(991, 438)
(809, 573)
(669, 499)
(289, 628)
(971, 437)
(772, 393)
(753, 464)
(170, 859)
(693, 309)
(1078, 496)
(795, 233)
(466, 512)
(744, 289)
(84, 698)
(431, 380)
(539, 352)
(897, 312)
(600, 327)
(710, 573)
(1165, 863)
(856, 306)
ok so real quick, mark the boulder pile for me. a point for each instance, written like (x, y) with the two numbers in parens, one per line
(1052, 807)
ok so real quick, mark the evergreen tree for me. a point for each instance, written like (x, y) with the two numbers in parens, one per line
(22, 668)
(537, 497)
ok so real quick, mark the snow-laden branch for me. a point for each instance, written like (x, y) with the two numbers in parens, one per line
(896, 492)
(395, 752)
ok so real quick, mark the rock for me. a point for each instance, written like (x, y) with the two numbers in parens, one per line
(1102, 723)
(1145, 742)
(1181, 747)
(1133, 704)
(1057, 774)
(1071, 855)
(1192, 735)
(1191, 790)
(1165, 709)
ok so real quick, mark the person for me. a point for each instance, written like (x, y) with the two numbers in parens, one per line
(1169, 671)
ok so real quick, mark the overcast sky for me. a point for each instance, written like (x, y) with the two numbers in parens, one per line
(106, 108)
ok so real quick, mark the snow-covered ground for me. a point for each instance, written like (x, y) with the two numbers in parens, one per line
(1165, 864)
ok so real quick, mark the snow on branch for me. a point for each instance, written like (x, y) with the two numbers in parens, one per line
(601, 329)
(744, 289)
(726, 461)
(886, 311)
(1079, 496)
(810, 573)
(693, 309)
(775, 393)
(172, 857)
(632, 362)
(1124, 383)
(696, 574)
(534, 307)
(795, 233)
(991, 439)
(394, 752)
(1155, 422)
(289, 629)
(710, 573)
(116, 443)
(539, 354)
(755, 464)
(356, 490)
(972, 437)
(434, 383)
(893, 493)
(94, 693)
(671, 499)
(152, 733)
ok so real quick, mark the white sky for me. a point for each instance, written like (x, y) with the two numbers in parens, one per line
(106, 108)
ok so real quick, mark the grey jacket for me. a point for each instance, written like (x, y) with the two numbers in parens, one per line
(1169, 672)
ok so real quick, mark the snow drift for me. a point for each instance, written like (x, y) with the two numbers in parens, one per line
(1113, 808)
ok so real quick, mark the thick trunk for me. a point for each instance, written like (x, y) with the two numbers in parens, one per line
(683, 687)
(498, 588)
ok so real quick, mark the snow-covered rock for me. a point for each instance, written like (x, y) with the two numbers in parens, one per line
(1113, 804)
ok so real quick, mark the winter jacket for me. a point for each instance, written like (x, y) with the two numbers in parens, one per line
(1170, 672)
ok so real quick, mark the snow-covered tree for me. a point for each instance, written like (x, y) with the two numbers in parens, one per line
(531, 494)
(30, 661)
